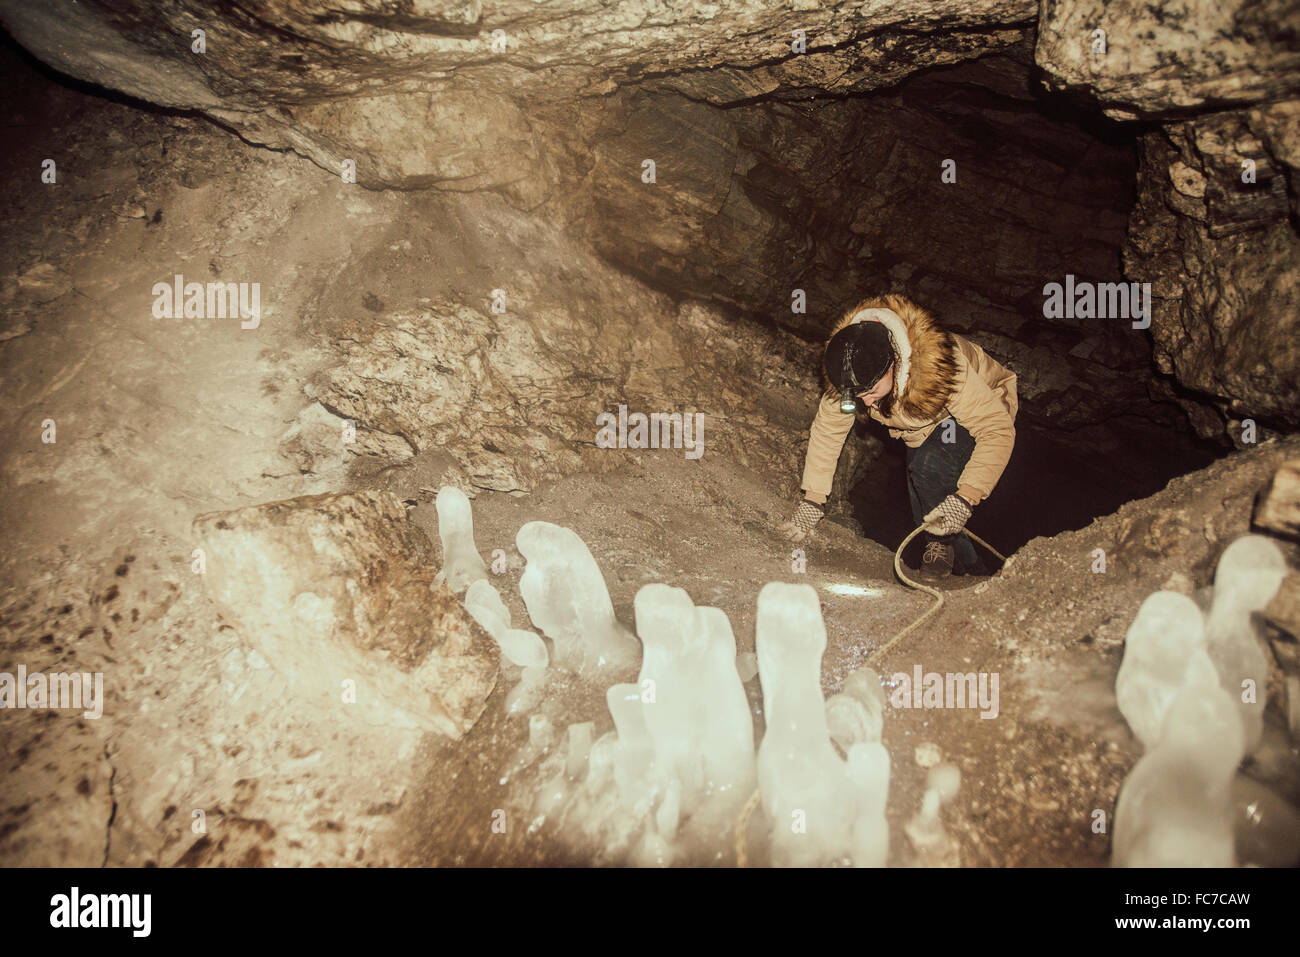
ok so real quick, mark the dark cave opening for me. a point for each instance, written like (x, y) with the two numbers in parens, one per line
(1098, 425)
(968, 188)
(1049, 486)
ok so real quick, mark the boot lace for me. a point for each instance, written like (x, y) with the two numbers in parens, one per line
(934, 552)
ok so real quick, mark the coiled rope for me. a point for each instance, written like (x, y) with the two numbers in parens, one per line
(742, 823)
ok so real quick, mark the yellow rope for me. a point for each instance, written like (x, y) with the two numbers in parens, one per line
(932, 592)
(742, 823)
(742, 828)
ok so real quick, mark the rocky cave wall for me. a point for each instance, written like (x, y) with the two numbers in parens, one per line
(837, 197)
(775, 174)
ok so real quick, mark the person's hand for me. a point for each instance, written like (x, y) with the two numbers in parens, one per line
(948, 517)
(806, 517)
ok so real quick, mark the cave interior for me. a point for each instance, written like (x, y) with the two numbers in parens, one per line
(467, 247)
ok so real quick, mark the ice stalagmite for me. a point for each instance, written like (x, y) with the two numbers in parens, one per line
(697, 716)
(635, 773)
(855, 718)
(521, 647)
(541, 739)
(822, 810)
(580, 735)
(610, 804)
(868, 770)
(925, 830)
(1248, 575)
(527, 695)
(566, 598)
(1174, 809)
(1165, 637)
(461, 562)
(856, 714)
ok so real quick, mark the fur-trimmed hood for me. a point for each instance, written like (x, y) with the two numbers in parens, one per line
(925, 357)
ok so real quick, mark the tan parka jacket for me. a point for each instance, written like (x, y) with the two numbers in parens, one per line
(937, 374)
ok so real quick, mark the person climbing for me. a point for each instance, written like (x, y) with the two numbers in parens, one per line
(887, 356)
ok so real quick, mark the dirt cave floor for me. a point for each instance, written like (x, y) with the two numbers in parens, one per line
(160, 421)
(1032, 777)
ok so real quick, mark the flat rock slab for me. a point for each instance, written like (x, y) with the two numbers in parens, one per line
(337, 593)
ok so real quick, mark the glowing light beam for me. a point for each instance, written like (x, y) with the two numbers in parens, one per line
(856, 591)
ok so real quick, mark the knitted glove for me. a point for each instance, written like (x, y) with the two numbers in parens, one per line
(949, 517)
(805, 518)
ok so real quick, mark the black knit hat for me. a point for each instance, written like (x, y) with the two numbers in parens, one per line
(858, 355)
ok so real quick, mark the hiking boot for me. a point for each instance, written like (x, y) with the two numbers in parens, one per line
(936, 563)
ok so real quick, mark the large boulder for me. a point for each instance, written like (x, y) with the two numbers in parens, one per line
(337, 593)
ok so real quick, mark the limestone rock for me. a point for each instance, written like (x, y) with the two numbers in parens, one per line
(434, 94)
(1283, 613)
(1152, 59)
(775, 194)
(315, 442)
(38, 285)
(514, 397)
(337, 588)
(1278, 508)
(58, 798)
(1224, 267)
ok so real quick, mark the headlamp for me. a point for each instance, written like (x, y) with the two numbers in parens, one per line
(848, 404)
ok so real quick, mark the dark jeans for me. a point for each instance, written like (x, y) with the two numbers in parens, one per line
(933, 468)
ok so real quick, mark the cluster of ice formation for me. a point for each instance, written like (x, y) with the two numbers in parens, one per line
(521, 647)
(463, 568)
(1193, 692)
(461, 562)
(566, 598)
(669, 783)
(824, 809)
(677, 769)
(1246, 579)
